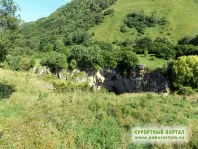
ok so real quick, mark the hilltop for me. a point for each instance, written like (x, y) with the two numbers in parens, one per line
(181, 16)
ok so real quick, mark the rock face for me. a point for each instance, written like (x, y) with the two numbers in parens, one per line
(138, 82)
(96, 80)
(40, 70)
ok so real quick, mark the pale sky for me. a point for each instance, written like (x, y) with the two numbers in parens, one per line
(31, 10)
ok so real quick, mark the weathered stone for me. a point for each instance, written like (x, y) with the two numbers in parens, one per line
(144, 82)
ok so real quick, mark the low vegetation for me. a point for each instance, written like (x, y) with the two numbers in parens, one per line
(84, 119)
(140, 22)
(47, 112)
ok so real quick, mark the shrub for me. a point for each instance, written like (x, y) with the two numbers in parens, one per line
(55, 61)
(144, 44)
(185, 50)
(87, 58)
(163, 48)
(13, 62)
(73, 64)
(27, 63)
(140, 22)
(184, 72)
(128, 61)
(18, 63)
(69, 86)
(185, 91)
(109, 12)
(123, 28)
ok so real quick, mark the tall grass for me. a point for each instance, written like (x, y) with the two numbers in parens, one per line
(84, 119)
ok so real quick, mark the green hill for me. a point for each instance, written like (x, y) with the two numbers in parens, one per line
(180, 14)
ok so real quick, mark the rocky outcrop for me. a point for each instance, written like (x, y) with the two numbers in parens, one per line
(40, 70)
(138, 82)
(96, 80)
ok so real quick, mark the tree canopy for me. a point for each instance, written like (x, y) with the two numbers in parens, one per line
(9, 23)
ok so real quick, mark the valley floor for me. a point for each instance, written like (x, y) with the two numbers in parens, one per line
(34, 116)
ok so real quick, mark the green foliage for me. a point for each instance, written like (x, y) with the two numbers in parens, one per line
(59, 46)
(185, 50)
(128, 61)
(6, 89)
(27, 63)
(163, 48)
(19, 63)
(14, 62)
(69, 86)
(96, 55)
(189, 40)
(110, 55)
(87, 58)
(109, 12)
(55, 61)
(143, 44)
(187, 46)
(123, 28)
(184, 72)
(83, 119)
(185, 91)
(9, 23)
(70, 23)
(140, 22)
(98, 134)
(73, 64)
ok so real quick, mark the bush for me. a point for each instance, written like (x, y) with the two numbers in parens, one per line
(163, 48)
(128, 62)
(182, 50)
(69, 86)
(27, 63)
(184, 72)
(55, 61)
(185, 91)
(140, 22)
(144, 44)
(123, 28)
(19, 63)
(109, 12)
(73, 64)
(13, 62)
(87, 58)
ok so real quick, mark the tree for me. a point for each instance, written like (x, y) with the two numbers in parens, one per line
(87, 58)
(185, 72)
(163, 48)
(144, 44)
(55, 61)
(128, 62)
(9, 23)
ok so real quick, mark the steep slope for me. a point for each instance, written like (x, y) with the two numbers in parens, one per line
(75, 17)
(182, 17)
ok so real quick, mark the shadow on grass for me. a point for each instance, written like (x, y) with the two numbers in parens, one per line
(6, 90)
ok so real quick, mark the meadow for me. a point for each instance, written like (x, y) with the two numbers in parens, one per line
(152, 62)
(180, 14)
(34, 116)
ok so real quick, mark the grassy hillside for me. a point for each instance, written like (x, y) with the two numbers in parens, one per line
(151, 61)
(181, 16)
(32, 116)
